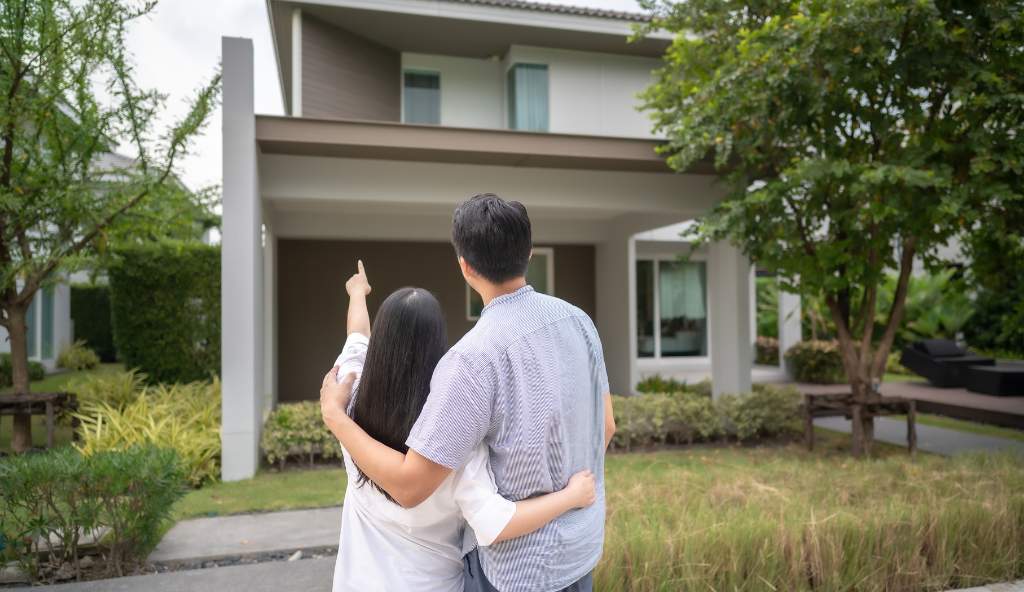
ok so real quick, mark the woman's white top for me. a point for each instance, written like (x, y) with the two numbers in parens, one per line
(386, 547)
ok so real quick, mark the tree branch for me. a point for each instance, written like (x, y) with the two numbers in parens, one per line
(899, 301)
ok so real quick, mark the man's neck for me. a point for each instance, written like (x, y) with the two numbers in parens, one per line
(489, 292)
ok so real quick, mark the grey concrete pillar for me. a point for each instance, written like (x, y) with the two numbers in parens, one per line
(616, 308)
(729, 295)
(241, 269)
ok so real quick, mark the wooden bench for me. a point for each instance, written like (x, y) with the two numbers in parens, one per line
(48, 404)
(842, 405)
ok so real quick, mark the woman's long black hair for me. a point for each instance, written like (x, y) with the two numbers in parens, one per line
(408, 340)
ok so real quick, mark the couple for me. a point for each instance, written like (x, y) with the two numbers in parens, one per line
(481, 467)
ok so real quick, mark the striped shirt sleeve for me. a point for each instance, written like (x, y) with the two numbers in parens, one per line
(456, 416)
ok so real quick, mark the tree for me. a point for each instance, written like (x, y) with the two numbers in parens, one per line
(62, 194)
(853, 137)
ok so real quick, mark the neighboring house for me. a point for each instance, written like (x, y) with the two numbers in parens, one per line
(399, 110)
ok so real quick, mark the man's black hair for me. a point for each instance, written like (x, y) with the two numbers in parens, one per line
(493, 236)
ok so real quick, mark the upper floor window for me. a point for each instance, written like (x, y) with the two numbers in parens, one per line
(528, 97)
(421, 97)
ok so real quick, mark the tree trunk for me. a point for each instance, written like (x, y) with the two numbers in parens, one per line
(21, 440)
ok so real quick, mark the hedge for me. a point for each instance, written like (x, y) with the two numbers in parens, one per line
(297, 431)
(817, 362)
(165, 306)
(49, 500)
(90, 313)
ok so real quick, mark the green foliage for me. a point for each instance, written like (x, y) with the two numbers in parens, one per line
(815, 361)
(90, 313)
(48, 501)
(297, 430)
(36, 371)
(766, 351)
(893, 366)
(181, 417)
(766, 412)
(937, 307)
(854, 137)
(656, 383)
(997, 322)
(165, 301)
(116, 389)
(77, 357)
(68, 98)
(685, 417)
(767, 290)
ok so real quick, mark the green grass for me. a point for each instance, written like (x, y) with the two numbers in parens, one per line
(960, 425)
(782, 518)
(764, 518)
(51, 383)
(268, 491)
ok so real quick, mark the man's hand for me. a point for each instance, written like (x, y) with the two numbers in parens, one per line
(335, 395)
(358, 284)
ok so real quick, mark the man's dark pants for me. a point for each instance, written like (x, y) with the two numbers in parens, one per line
(476, 581)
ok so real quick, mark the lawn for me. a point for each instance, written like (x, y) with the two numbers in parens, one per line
(51, 383)
(764, 518)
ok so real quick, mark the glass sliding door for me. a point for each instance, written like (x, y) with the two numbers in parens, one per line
(683, 310)
(671, 308)
(528, 97)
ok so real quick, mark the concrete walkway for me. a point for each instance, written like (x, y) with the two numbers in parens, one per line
(929, 438)
(308, 575)
(1017, 586)
(249, 534)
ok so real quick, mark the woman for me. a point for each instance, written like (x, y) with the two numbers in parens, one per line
(384, 546)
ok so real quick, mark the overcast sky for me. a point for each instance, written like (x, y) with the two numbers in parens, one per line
(178, 47)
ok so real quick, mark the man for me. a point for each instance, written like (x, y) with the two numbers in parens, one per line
(529, 380)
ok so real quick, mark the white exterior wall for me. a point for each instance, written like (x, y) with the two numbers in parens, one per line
(63, 330)
(472, 90)
(591, 93)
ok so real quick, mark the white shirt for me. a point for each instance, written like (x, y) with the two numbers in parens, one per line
(386, 547)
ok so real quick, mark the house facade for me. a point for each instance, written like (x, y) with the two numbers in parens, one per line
(398, 110)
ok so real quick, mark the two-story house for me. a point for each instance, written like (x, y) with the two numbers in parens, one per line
(397, 110)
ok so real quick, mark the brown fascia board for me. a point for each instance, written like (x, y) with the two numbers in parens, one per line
(428, 143)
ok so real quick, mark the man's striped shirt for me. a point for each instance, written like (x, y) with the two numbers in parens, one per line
(529, 380)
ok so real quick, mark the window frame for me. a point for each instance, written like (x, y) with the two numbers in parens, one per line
(656, 260)
(549, 252)
(401, 82)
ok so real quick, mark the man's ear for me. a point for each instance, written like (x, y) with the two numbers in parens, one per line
(467, 271)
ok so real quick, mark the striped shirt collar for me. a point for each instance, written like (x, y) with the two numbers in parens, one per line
(510, 297)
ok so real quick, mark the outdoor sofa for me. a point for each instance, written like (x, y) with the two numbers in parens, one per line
(944, 363)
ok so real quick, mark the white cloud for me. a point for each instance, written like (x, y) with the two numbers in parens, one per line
(177, 48)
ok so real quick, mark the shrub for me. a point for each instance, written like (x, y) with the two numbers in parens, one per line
(816, 361)
(182, 417)
(765, 413)
(90, 313)
(997, 323)
(77, 357)
(118, 389)
(893, 366)
(296, 430)
(767, 351)
(655, 383)
(50, 500)
(36, 371)
(165, 305)
(687, 417)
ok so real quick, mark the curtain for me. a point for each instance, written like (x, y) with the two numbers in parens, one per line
(682, 290)
(528, 97)
(422, 97)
